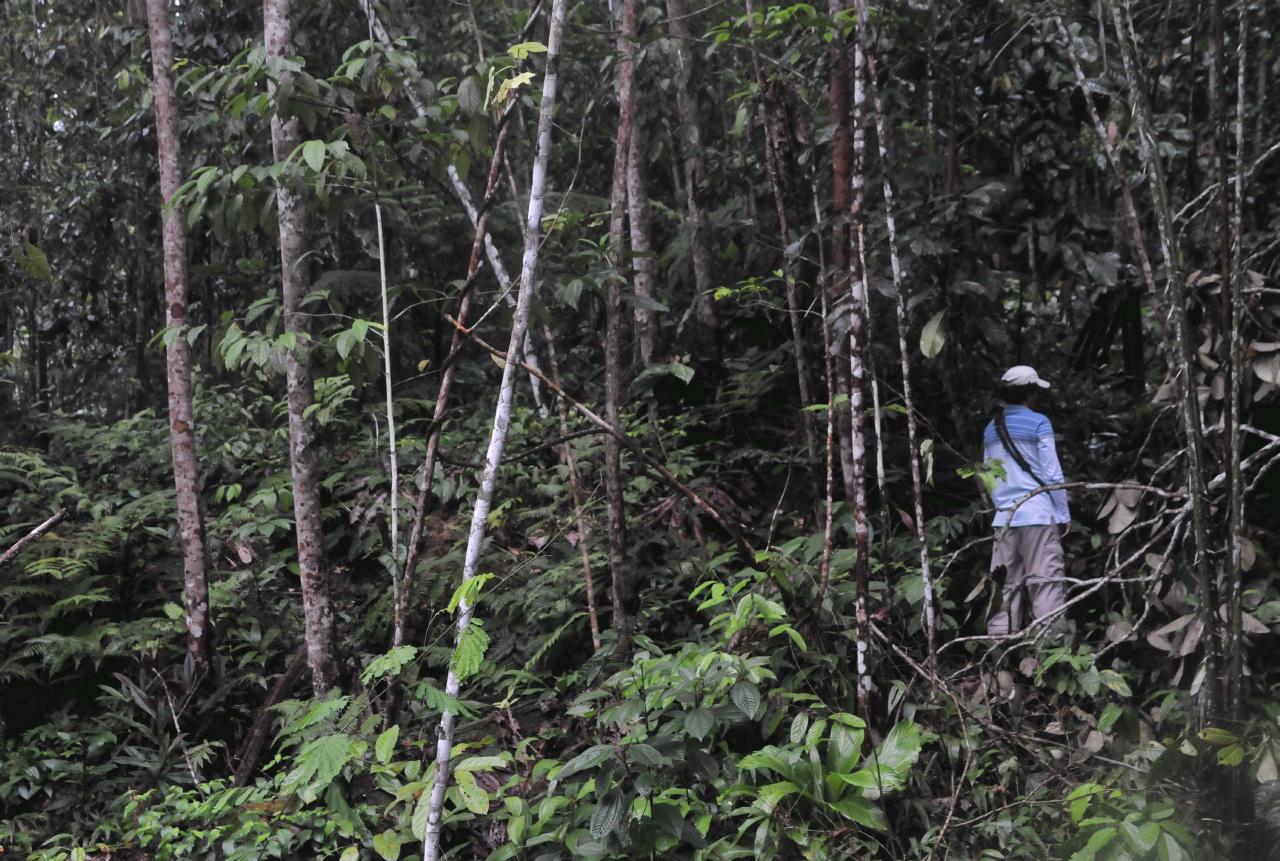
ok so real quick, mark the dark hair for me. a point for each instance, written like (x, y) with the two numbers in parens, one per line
(1017, 394)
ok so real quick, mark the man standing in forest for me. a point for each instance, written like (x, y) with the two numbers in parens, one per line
(1028, 544)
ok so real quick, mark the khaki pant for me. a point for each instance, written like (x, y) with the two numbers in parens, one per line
(1032, 559)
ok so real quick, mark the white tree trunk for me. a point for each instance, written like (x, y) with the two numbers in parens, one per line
(501, 416)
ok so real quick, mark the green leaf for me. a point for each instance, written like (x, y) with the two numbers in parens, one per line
(900, 748)
(470, 97)
(470, 651)
(33, 261)
(313, 154)
(1096, 844)
(645, 755)
(480, 763)
(1116, 682)
(386, 744)
(1141, 837)
(799, 724)
(1231, 755)
(418, 823)
(318, 763)
(589, 758)
(387, 845)
(476, 799)
(1078, 799)
(698, 722)
(770, 794)
(522, 50)
(608, 814)
(360, 328)
(1219, 736)
(1110, 715)
(933, 338)
(861, 811)
(746, 697)
(469, 591)
(351, 853)
(683, 373)
(389, 664)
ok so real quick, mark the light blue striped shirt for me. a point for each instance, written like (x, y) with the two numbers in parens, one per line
(1032, 433)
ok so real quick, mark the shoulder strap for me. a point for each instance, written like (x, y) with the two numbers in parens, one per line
(1002, 430)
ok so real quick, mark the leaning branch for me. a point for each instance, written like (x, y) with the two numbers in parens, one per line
(32, 536)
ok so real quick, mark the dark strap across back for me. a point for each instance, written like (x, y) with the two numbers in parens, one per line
(1002, 430)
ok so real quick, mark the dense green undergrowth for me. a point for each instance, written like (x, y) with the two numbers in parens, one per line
(730, 732)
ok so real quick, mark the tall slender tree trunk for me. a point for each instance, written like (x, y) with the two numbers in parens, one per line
(858, 312)
(182, 430)
(895, 262)
(575, 488)
(694, 173)
(292, 216)
(841, 192)
(1235, 403)
(621, 576)
(1184, 364)
(773, 167)
(642, 262)
(501, 417)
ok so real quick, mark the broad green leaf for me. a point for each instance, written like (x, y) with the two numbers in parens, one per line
(771, 793)
(862, 811)
(608, 814)
(470, 97)
(1219, 736)
(799, 725)
(313, 154)
(33, 261)
(351, 853)
(522, 50)
(359, 328)
(1231, 755)
(645, 755)
(469, 654)
(1096, 844)
(386, 744)
(480, 763)
(589, 758)
(469, 591)
(318, 763)
(387, 845)
(900, 748)
(698, 722)
(1141, 837)
(476, 799)
(932, 337)
(746, 697)
(418, 824)
(1116, 682)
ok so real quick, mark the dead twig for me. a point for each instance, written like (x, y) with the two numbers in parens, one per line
(32, 536)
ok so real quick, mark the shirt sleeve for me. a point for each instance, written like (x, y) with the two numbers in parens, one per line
(1048, 451)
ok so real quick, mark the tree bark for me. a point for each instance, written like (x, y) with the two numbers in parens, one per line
(773, 167)
(292, 216)
(1184, 362)
(621, 578)
(575, 488)
(694, 174)
(641, 249)
(858, 312)
(182, 431)
(501, 417)
(882, 138)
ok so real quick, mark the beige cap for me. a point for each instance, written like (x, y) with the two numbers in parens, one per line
(1023, 375)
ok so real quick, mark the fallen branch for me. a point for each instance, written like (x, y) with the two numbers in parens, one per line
(32, 536)
(251, 752)
(583, 410)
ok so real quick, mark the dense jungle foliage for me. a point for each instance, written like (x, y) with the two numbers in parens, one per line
(724, 592)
